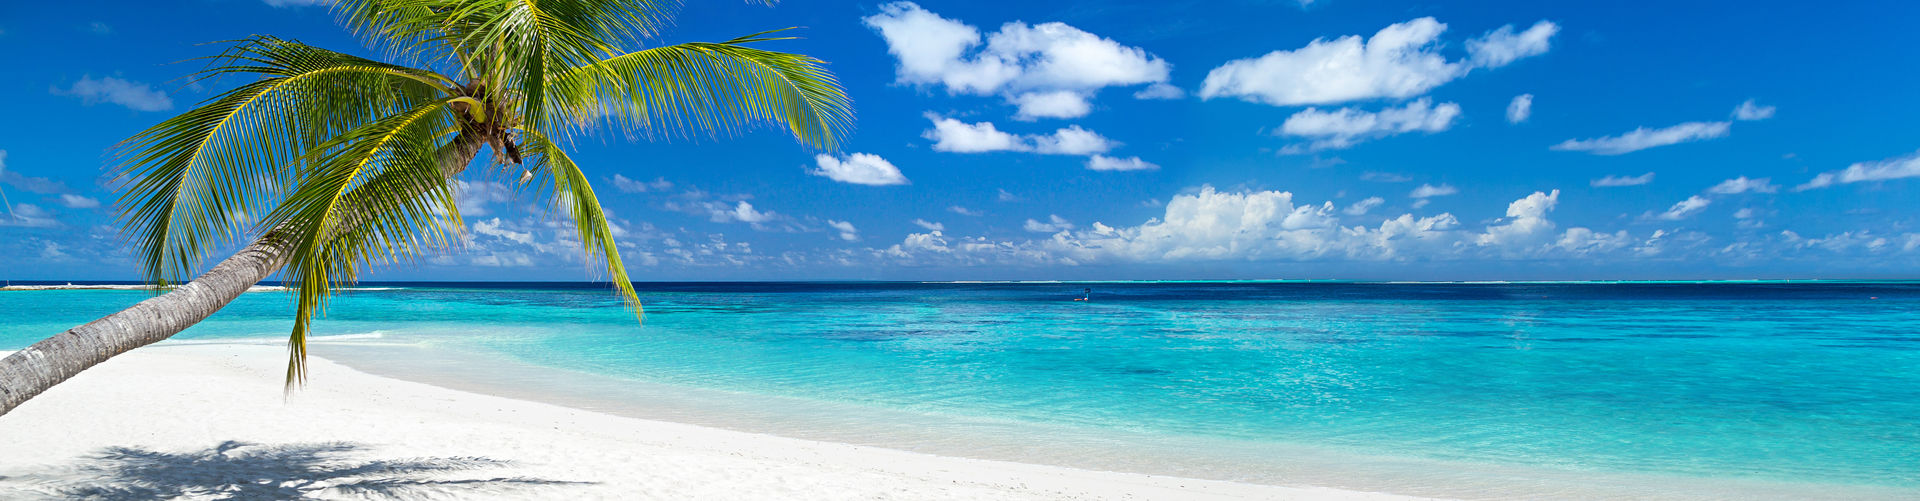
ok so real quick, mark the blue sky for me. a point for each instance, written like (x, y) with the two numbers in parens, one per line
(1342, 139)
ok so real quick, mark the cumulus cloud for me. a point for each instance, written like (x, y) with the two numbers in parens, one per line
(30, 216)
(1685, 208)
(1643, 138)
(1502, 46)
(1106, 163)
(954, 136)
(929, 225)
(1054, 223)
(626, 185)
(1526, 222)
(1430, 191)
(1748, 111)
(845, 229)
(1347, 126)
(1361, 208)
(1053, 104)
(1618, 181)
(727, 211)
(742, 212)
(1212, 225)
(72, 201)
(1901, 167)
(964, 211)
(495, 228)
(1048, 70)
(1400, 61)
(858, 168)
(1160, 91)
(134, 95)
(1072, 140)
(1742, 184)
(1520, 108)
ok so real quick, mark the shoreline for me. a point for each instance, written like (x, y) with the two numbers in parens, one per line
(190, 419)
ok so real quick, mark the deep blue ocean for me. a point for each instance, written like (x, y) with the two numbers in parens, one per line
(1477, 390)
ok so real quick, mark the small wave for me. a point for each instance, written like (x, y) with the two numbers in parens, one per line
(336, 338)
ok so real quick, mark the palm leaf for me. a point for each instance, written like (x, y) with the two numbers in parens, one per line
(374, 196)
(194, 180)
(710, 88)
(573, 195)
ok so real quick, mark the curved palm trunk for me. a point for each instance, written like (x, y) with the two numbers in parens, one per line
(33, 370)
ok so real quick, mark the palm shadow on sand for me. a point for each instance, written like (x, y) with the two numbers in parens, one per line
(240, 470)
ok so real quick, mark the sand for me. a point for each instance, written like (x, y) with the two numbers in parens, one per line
(211, 421)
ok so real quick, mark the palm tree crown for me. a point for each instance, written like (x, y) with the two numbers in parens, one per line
(348, 161)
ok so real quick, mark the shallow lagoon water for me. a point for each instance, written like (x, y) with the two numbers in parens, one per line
(1475, 390)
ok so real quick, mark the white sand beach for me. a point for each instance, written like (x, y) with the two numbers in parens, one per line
(211, 421)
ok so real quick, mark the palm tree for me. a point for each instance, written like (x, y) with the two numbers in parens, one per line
(339, 162)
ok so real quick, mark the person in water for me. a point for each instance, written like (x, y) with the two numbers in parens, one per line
(1086, 295)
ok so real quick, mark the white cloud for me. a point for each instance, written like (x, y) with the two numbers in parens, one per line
(53, 251)
(1502, 46)
(1884, 170)
(846, 230)
(1643, 138)
(1617, 181)
(1031, 65)
(858, 168)
(1384, 177)
(1054, 223)
(473, 198)
(1361, 208)
(1106, 163)
(1399, 61)
(1520, 108)
(1212, 225)
(78, 202)
(1685, 208)
(30, 216)
(131, 94)
(1429, 191)
(743, 212)
(1345, 127)
(1054, 104)
(964, 211)
(626, 185)
(1160, 91)
(1748, 111)
(1006, 196)
(1748, 218)
(1526, 223)
(929, 225)
(1742, 184)
(955, 136)
(495, 228)
(1072, 140)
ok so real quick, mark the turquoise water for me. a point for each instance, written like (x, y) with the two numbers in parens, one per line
(1753, 385)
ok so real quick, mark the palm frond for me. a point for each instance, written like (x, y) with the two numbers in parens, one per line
(374, 195)
(710, 88)
(573, 195)
(192, 181)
